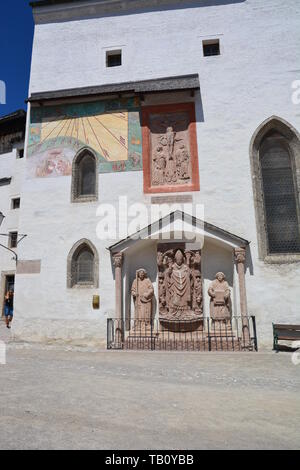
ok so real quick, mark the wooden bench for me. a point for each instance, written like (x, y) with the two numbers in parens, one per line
(285, 333)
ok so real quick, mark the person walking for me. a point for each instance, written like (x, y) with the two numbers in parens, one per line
(9, 307)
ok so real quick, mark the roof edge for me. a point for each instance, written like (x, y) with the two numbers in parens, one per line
(207, 225)
(44, 3)
(20, 113)
(164, 84)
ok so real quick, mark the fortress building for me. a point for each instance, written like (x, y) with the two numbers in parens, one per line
(158, 197)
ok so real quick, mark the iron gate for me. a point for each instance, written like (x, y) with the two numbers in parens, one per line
(237, 334)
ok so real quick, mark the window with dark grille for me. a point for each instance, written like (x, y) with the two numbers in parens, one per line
(16, 203)
(84, 177)
(83, 267)
(5, 181)
(211, 47)
(8, 139)
(113, 58)
(13, 239)
(87, 169)
(280, 200)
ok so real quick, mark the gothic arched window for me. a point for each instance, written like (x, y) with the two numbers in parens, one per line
(83, 265)
(280, 199)
(84, 177)
(276, 157)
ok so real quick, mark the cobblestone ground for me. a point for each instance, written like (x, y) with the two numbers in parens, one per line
(5, 334)
(59, 399)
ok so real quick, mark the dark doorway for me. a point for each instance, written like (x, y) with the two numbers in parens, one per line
(9, 284)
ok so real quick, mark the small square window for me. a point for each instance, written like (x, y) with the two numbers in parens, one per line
(113, 58)
(20, 153)
(211, 47)
(13, 239)
(15, 203)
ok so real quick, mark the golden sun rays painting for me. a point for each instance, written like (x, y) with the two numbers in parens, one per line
(111, 129)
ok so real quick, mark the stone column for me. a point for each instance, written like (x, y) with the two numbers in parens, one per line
(118, 261)
(240, 257)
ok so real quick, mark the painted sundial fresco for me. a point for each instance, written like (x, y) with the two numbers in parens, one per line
(110, 128)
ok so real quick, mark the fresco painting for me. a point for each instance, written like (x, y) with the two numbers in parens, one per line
(111, 129)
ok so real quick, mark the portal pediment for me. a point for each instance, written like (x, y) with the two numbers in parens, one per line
(181, 226)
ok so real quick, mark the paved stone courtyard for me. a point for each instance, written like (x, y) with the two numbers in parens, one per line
(59, 399)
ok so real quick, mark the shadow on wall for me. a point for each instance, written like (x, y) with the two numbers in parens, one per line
(216, 259)
(249, 262)
(144, 6)
(181, 122)
(166, 4)
(125, 7)
(199, 107)
(182, 98)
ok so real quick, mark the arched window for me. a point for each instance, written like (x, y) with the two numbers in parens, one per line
(83, 265)
(280, 201)
(84, 177)
(276, 157)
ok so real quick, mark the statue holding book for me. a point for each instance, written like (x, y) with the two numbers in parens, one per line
(219, 293)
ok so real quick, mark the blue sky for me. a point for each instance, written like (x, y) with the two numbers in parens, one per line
(16, 33)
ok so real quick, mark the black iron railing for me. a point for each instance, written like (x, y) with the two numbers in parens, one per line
(237, 334)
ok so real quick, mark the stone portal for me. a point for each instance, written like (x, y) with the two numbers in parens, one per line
(174, 316)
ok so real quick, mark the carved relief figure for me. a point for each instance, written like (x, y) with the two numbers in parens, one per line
(171, 175)
(197, 294)
(159, 165)
(219, 293)
(180, 285)
(197, 259)
(142, 292)
(182, 163)
(170, 159)
(160, 260)
(162, 293)
(171, 171)
(171, 137)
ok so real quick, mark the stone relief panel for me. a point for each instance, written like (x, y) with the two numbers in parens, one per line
(170, 158)
(179, 284)
(170, 155)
